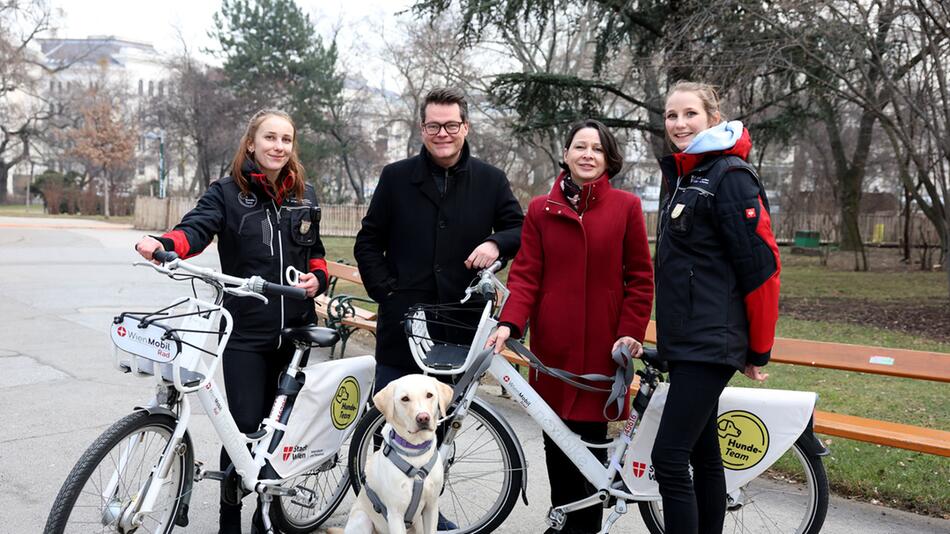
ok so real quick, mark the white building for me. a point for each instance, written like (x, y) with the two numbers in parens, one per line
(135, 68)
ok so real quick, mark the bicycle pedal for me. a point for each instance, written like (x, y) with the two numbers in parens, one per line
(203, 474)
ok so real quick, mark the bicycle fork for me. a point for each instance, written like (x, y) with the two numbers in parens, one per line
(143, 501)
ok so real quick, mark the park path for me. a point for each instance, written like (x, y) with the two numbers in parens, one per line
(61, 282)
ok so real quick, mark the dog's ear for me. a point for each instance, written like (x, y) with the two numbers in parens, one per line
(384, 401)
(445, 396)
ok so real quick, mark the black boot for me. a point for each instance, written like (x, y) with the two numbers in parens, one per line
(229, 519)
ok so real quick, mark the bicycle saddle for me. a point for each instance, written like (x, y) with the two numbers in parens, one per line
(315, 335)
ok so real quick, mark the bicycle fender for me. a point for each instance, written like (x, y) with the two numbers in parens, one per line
(514, 437)
(810, 442)
(156, 410)
(181, 519)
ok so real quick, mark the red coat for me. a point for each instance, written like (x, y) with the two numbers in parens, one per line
(583, 281)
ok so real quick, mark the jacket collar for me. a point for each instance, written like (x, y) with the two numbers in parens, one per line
(460, 166)
(258, 180)
(422, 177)
(681, 163)
(590, 192)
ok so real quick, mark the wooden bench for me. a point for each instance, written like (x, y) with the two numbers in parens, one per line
(875, 360)
(343, 312)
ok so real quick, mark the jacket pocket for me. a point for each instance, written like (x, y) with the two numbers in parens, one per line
(304, 225)
(682, 213)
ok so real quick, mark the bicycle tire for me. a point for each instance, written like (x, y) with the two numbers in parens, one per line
(460, 501)
(69, 515)
(811, 483)
(327, 483)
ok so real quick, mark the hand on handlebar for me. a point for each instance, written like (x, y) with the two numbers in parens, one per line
(635, 347)
(308, 282)
(483, 255)
(498, 338)
(147, 247)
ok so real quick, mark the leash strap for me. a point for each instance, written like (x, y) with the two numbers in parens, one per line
(619, 383)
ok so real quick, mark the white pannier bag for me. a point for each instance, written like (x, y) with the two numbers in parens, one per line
(325, 413)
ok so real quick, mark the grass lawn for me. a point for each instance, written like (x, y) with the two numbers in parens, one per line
(895, 477)
(36, 210)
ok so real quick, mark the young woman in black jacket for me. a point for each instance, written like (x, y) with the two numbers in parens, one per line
(266, 219)
(717, 285)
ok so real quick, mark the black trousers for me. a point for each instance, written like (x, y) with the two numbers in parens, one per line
(688, 436)
(250, 381)
(568, 484)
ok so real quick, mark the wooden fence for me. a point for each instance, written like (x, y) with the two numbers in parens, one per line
(343, 220)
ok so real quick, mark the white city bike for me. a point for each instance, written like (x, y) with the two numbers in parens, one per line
(775, 479)
(138, 475)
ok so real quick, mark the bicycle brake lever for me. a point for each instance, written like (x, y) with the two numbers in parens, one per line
(160, 268)
(468, 295)
(245, 293)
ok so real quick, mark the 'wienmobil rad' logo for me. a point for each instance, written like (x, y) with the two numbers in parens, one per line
(743, 439)
(344, 407)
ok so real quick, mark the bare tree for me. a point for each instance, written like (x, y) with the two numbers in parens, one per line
(104, 142)
(200, 114)
(23, 111)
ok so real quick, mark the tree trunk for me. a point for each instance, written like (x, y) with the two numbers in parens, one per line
(905, 248)
(4, 174)
(356, 182)
(849, 230)
(105, 200)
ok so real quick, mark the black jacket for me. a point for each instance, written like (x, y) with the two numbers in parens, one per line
(414, 239)
(256, 236)
(717, 266)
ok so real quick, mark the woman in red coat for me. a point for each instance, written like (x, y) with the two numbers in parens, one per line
(584, 280)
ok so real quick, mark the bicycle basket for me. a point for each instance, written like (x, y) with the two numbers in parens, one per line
(173, 337)
(440, 335)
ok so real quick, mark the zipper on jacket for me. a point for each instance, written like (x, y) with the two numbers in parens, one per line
(689, 299)
(271, 227)
(701, 191)
(280, 273)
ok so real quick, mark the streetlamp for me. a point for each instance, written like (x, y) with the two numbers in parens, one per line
(161, 159)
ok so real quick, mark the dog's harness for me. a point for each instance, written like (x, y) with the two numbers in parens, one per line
(394, 448)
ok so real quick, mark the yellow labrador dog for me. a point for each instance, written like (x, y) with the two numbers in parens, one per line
(404, 477)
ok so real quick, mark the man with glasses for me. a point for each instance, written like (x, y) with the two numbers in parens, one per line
(434, 220)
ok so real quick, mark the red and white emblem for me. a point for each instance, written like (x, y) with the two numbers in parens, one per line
(750, 213)
(120, 331)
(638, 468)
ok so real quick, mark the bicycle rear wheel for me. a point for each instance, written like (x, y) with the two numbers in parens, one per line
(114, 473)
(789, 497)
(319, 493)
(483, 470)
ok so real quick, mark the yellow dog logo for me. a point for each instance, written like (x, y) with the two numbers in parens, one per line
(344, 407)
(743, 439)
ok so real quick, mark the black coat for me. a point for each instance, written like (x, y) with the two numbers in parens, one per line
(256, 236)
(717, 266)
(414, 240)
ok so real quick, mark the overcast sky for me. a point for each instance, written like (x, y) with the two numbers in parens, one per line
(155, 21)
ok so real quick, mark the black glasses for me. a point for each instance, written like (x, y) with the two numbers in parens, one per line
(433, 128)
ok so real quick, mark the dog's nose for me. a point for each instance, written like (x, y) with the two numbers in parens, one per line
(423, 419)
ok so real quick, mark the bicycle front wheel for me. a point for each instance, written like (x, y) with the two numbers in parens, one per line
(789, 497)
(114, 473)
(483, 469)
(319, 493)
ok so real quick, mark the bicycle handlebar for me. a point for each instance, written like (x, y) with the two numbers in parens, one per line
(164, 256)
(278, 290)
(252, 286)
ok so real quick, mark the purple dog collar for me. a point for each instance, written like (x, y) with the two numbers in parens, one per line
(398, 440)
